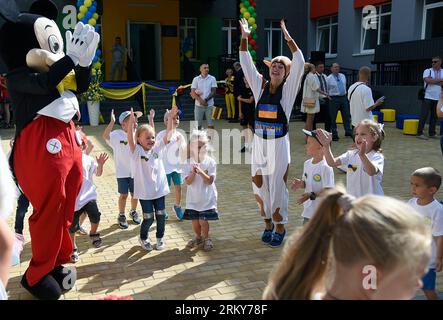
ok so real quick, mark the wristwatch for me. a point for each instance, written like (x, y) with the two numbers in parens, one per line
(313, 196)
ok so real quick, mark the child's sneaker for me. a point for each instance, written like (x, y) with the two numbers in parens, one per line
(195, 242)
(146, 245)
(277, 239)
(166, 216)
(160, 244)
(178, 211)
(267, 235)
(135, 218)
(74, 256)
(96, 241)
(122, 223)
(208, 246)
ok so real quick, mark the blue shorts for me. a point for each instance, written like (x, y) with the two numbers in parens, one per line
(175, 177)
(429, 280)
(125, 185)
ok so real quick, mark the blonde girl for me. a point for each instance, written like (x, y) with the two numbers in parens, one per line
(354, 249)
(201, 194)
(364, 163)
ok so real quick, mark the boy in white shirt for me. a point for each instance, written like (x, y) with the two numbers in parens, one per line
(86, 201)
(317, 175)
(171, 161)
(118, 141)
(425, 183)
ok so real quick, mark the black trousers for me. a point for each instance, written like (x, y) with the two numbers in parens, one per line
(324, 116)
(428, 106)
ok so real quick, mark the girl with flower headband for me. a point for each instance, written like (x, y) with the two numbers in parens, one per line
(371, 248)
(271, 148)
(364, 163)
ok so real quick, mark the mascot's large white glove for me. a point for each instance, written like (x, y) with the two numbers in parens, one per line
(78, 42)
(93, 38)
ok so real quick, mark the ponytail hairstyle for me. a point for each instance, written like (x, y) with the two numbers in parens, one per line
(382, 230)
(377, 130)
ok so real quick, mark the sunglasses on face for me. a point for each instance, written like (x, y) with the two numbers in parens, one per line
(435, 61)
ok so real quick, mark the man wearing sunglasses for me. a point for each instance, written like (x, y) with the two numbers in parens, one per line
(433, 79)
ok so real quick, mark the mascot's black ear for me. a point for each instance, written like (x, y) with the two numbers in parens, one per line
(9, 10)
(45, 8)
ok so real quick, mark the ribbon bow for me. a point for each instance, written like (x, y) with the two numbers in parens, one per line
(68, 83)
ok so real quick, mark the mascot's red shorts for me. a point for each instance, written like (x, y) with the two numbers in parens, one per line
(48, 167)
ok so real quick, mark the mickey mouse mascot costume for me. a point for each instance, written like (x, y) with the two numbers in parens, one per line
(46, 159)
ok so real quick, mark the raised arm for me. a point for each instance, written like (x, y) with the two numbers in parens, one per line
(293, 81)
(131, 122)
(107, 133)
(254, 78)
(170, 126)
(101, 160)
(151, 118)
(325, 139)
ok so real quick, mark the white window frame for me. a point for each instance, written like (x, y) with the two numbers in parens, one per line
(426, 7)
(329, 26)
(229, 29)
(269, 31)
(187, 27)
(363, 31)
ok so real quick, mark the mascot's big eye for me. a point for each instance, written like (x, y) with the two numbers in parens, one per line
(54, 44)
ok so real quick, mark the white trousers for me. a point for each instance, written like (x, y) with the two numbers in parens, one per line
(270, 164)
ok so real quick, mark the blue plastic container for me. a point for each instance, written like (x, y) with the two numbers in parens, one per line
(402, 117)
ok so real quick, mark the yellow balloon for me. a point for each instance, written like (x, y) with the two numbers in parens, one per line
(189, 54)
(95, 16)
(93, 72)
(242, 5)
(254, 26)
(83, 9)
(243, 10)
(246, 15)
(80, 15)
(251, 20)
(92, 22)
(97, 65)
(88, 3)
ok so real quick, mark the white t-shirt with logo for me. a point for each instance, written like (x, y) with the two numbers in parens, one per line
(358, 182)
(88, 191)
(205, 85)
(433, 213)
(433, 90)
(118, 141)
(150, 181)
(361, 100)
(171, 154)
(199, 195)
(317, 177)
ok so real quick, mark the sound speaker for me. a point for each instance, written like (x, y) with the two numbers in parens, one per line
(318, 56)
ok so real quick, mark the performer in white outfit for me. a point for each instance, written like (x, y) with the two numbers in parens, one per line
(271, 148)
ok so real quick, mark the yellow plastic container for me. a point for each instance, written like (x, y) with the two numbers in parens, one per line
(375, 117)
(388, 115)
(410, 127)
(339, 118)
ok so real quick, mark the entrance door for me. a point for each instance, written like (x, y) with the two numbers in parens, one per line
(145, 49)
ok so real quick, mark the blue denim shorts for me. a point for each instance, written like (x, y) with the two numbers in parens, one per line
(429, 280)
(125, 185)
(200, 215)
(174, 177)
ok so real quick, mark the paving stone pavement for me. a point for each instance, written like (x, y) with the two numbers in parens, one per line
(239, 265)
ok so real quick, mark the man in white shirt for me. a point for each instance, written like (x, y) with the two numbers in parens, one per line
(360, 98)
(433, 79)
(203, 91)
(339, 102)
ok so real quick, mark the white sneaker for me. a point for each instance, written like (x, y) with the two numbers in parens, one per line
(146, 245)
(422, 137)
(160, 244)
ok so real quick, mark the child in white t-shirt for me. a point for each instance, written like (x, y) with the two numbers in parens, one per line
(8, 198)
(171, 161)
(317, 175)
(150, 183)
(201, 194)
(365, 163)
(425, 183)
(118, 141)
(86, 201)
